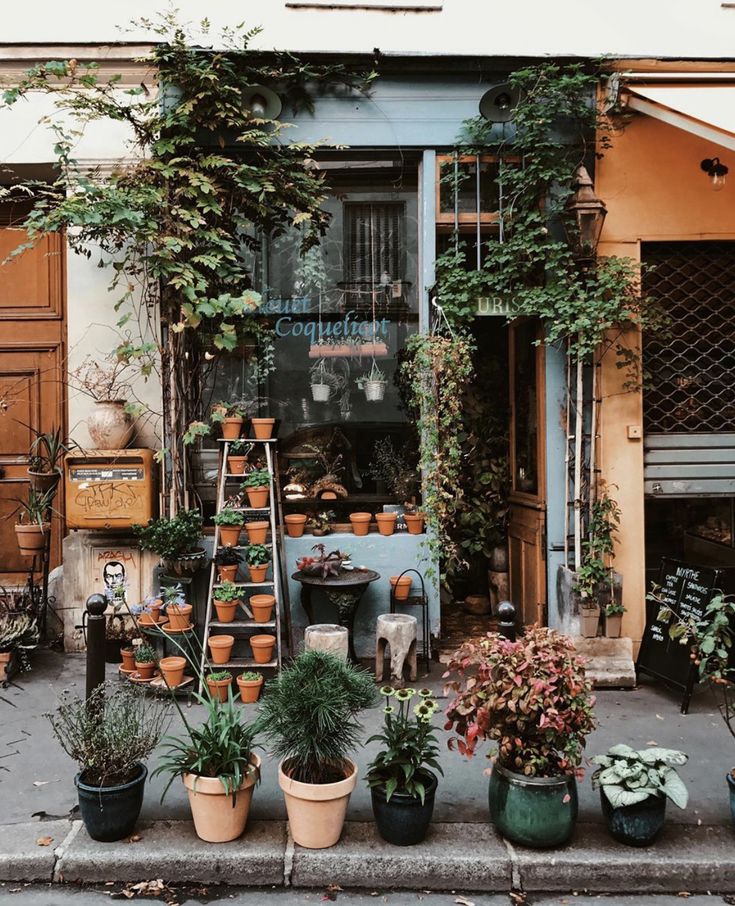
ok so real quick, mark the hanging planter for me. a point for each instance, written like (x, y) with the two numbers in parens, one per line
(348, 350)
(321, 392)
(373, 383)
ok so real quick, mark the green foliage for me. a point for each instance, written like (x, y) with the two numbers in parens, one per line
(239, 448)
(145, 654)
(110, 732)
(227, 592)
(598, 550)
(627, 776)
(221, 411)
(309, 715)
(257, 555)
(392, 467)
(171, 538)
(48, 450)
(373, 375)
(408, 742)
(228, 556)
(36, 508)
(229, 516)
(219, 675)
(258, 478)
(19, 633)
(251, 676)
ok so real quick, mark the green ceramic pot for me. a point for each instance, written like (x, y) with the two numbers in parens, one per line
(533, 811)
(635, 825)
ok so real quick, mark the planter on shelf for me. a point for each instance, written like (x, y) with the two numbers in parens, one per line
(262, 607)
(590, 620)
(172, 670)
(220, 647)
(263, 427)
(320, 393)
(31, 538)
(225, 610)
(404, 820)
(109, 813)
(414, 523)
(44, 481)
(229, 535)
(219, 685)
(360, 523)
(401, 587)
(219, 816)
(613, 625)
(128, 658)
(109, 425)
(635, 825)
(232, 427)
(262, 646)
(258, 497)
(250, 684)
(236, 464)
(227, 573)
(258, 573)
(185, 564)
(295, 524)
(386, 523)
(257, 531)
(316, 811)
(179, 616)
(145, 661)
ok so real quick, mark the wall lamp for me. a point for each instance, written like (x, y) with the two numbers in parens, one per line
(716, 170)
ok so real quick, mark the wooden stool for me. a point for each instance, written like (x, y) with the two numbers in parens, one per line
(327, 637)
(399, 631)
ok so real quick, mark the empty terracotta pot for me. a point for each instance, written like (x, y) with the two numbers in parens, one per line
(225, 610)
(236, 465)
(149, 617)
(295, 523)
(401, 587)
(263, 646)
(220, 647)
(258, 497)
(257, 531)
(316, 811)
(386, 523)
(263, 427)
(218, 688)
(227, 573)
(258, 573)
(179, 616)
(146, 670)
(249, 689)
(172, 669)
(360, 523)
(229, 535)
(414, 523)
(128, 658)
(217, 818)
(262, 607)
(231, 427)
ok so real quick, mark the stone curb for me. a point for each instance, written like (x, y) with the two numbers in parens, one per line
(469, 857)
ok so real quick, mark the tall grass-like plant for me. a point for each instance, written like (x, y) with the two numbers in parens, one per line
(310, 715)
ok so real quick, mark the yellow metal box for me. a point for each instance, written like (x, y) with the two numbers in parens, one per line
(110, 489)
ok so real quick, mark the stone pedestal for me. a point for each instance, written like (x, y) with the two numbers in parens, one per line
(610, 661)
(327, 637)
(398, 630)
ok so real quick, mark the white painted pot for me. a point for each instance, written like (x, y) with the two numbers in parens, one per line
(109, 425)
(321, 392)
(374, 391)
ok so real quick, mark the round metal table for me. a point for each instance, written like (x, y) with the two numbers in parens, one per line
(343, 591)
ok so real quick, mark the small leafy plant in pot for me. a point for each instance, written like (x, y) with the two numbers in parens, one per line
(145, 661)
(19, 634)
(250, 683)
(230, 417)
(634, 786)
(219, 684)
(110, 735)
(46, 459)
(373, 383)
(177, 610)
(614, 611)
(175, 540)
(237, 456)
(256, 485)
(228, 559)
(309, 714)
(258, 558)
(532, 698)
(33, 525)
(230, 523)
(401, 781)
(226, 601)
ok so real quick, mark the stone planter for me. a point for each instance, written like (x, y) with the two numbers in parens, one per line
(590, 621)
(613, 625)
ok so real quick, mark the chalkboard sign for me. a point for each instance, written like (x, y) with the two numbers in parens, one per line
(687, 590)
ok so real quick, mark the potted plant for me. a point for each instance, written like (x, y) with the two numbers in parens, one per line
(262, 607)
(148, 612)
(230, 418)
(46, 459)
(109, 735)
(263, 427)
(19, 634)
(309, 714)
(230, 522)
(258, 559)
(220, 647)
(177, 541)
(237, 456)
(218, 767)
(614, 611)
(262, 646)
(590, 618)
(226, 601)
(33, 525)
(119, 631)
(111, 423)
(323, 564)
(295, 524)
(219, 683)
(634, 786)
(257, 531)
(360, 523)
(250, 683)
(228, 559)
(373, 383)
(390, 466)
(145, 661)
(177, 610)
(257, 486)
(402, 784)
(321, 388)
(532, 698)
(319, 524)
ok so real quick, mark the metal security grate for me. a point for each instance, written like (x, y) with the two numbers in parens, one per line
(692, 370)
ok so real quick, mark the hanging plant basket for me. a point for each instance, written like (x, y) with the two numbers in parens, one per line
(321, 392)
(374, 391)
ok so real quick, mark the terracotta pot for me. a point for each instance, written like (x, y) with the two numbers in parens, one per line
(147, 670)
(295, 523)
(109, 425)
(414, 523)
(218, 688)
(262, 646)
(43, 481)
(263, 427)
(262, 607)
(360, 523)
(258, 573)
(128, 658)
(229, 535)
(149, 617)
(216, 818)
(220, 647)
(31, 538)
(401, 587)
(4, 661)
(172, 669)
(257, 531)
(231, 427)
(249, 690)
(613, 625)
(225, 610)
(258, 497)
(386, 523)
(227, 573)
(316, 811)
(179, 616)
(590, 621)
(236, 465)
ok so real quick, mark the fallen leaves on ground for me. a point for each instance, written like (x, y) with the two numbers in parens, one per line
(44, 841)
(518, 897)
(155, 888)
(463, 901)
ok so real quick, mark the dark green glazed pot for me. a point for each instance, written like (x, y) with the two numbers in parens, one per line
(404, 821)
(533, 811)
(635, 825)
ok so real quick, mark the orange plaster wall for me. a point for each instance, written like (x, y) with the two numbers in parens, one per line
(654, 189)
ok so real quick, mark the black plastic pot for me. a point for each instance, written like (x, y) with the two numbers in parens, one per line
(404, 821)
(731, 784)
(635, 825)
(110, 812)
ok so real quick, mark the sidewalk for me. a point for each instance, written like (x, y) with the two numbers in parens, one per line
(696, 852)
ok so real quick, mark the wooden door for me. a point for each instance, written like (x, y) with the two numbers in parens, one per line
(31, 387)
(527, 522)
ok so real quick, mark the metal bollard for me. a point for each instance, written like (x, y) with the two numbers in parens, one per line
(507, 620)
(96, 607)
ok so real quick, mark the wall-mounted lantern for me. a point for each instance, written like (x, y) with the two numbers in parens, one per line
(588, 213)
